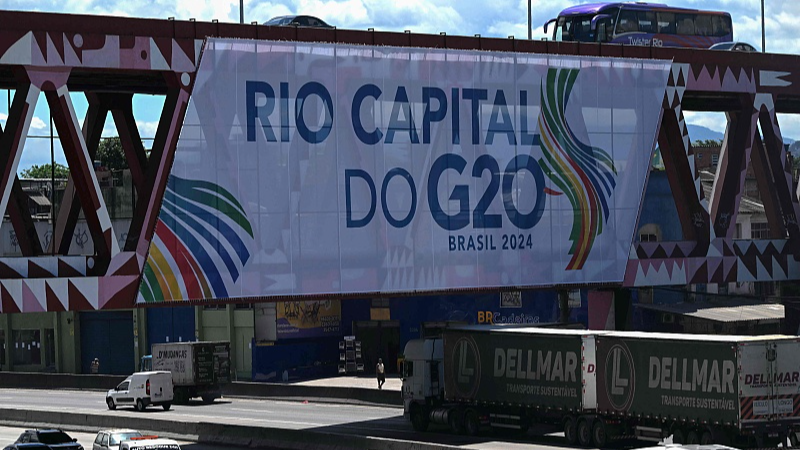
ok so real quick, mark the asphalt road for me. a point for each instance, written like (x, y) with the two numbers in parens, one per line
(377, 421)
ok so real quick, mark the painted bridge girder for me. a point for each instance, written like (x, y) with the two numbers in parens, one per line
(109, 59)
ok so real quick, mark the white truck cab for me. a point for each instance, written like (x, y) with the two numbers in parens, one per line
(423, 379)
(141, 390)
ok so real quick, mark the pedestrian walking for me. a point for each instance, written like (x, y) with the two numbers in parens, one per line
(381, 372)
(95, 365)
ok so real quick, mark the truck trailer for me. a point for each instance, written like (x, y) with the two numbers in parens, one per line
(601, 386)
(199, 369)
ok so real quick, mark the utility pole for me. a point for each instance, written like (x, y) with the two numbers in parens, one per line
(241, 11)
(530, 23)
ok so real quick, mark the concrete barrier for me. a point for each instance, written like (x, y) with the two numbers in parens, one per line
(216, 433)
(35, 380)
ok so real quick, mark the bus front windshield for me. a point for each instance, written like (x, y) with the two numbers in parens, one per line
(574, 28)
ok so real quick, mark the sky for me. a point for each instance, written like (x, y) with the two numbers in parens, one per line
(498, 18)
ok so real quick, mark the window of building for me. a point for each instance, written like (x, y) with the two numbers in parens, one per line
(650, 233)
(714, 160)
(27, 347)
(759, 230)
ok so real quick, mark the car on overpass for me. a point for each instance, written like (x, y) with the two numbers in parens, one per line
(298, 21)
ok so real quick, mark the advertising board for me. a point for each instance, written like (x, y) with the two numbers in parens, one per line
(518, 368)
(689, 379)
(312, 168)
(307, 319)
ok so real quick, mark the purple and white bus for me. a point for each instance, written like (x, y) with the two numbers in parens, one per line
(638, 23)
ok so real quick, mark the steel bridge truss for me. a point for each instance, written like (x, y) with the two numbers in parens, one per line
(111, 59)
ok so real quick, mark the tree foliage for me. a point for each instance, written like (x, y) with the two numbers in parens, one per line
(111, 154)
(707, 143)
(45, 171)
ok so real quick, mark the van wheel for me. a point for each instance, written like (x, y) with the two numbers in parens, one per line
(472, 425)
(140, 405)
(110, 403)
(166, 406)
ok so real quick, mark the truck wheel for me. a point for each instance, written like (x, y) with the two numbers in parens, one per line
(140, 405)
(706, 438)
(584, 432)
(208, 399)
(455, 422)
(793, 439)
(472, 424)
(166, 406)
(571, 430)
(419, 420)
(110, 403)
(678, 436)
(599, 434)
(692, 438)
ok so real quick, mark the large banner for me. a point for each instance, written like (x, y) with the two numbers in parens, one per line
(311, 168)
(308, 319)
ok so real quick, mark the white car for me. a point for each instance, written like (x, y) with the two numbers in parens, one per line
(110, 439)
(143, 389)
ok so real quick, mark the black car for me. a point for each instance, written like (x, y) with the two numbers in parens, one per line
(53, 439)
(27, 446)
(299, 21)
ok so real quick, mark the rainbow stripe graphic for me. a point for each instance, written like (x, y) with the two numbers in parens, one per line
(201, 228)
(585, 174)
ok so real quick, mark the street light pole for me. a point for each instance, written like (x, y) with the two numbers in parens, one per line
(241, 11)
(763, 34)
(530, 24)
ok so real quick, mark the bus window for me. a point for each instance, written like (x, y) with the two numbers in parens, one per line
(666, 22)
(702, 25)
(647, 21)
(628, 22)
(685, 24)
(561, 32)
(722, 25)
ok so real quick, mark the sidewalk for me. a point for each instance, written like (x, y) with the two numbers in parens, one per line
(393, 382)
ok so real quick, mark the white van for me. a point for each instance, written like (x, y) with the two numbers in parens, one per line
(149, 443)
(141, 390)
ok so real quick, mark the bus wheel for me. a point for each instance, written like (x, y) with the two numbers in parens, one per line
(472, 424)
(584, 432)
(599, 433)
(706, 438)
(692, 438)
(571, 430)
(793, 439)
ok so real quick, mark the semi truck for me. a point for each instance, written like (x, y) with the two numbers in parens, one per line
(199, 369)
(602, 386)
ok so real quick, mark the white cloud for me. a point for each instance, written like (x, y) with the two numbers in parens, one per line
(38, 124)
